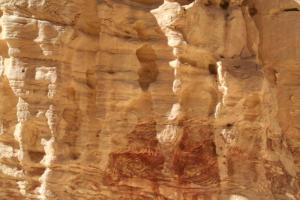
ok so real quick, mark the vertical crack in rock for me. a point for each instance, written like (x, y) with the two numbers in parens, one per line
(222, 83)
(223, 89)
(22, 115)
(48, 148)
(222, 153)
(44, 192)
(166, 15)
(47, 74)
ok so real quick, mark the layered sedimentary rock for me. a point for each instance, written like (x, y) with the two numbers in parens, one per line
(150, 99)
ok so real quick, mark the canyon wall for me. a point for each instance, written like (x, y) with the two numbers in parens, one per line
(150, 99)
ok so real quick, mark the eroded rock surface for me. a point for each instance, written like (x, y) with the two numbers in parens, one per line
(150, 99)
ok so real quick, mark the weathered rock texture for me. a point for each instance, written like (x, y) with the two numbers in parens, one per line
(150, 99)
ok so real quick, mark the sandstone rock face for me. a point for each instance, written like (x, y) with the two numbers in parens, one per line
(150, 99)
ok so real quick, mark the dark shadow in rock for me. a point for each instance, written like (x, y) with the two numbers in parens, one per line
(36, 156)
(149, 71)
(212, 69)
(291, 10)
(252, 11)
(224, 4)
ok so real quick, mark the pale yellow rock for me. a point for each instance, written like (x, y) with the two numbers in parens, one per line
(149, 99)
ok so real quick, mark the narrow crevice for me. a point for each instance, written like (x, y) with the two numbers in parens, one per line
(291, 10)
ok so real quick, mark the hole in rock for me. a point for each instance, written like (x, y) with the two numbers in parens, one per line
(148, 71)
(229, 125)
(212, 68)
(224, 4)
(252, 11)
(75, 156)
